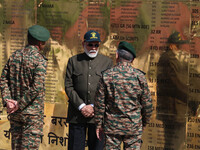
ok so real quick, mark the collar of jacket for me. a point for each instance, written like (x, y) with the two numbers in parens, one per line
(89, 58)
(33, 47)
(124, 63)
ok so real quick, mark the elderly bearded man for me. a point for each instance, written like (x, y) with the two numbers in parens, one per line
(82, 75)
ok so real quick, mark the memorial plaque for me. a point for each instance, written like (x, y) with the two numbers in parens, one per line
(15, 18)
(60, 18)
(194, 78)
(173, 78)
(193, 133)
(161, 135)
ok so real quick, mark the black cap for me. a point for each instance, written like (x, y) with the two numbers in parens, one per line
(175, 38)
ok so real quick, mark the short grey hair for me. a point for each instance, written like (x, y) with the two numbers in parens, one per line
(125, 55)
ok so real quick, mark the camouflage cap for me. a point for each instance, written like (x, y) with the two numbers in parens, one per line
(127, 46)
(91, 36)
(175, 38)
(39, 32)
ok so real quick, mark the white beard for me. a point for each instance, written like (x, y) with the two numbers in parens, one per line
(91, 53)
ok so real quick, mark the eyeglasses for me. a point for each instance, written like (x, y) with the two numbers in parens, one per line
(93, 45)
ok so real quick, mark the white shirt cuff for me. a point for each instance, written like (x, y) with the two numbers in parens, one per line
(81, 106)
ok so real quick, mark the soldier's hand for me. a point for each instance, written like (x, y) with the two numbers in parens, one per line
(143, 128)
(12, 106)
(99, 133)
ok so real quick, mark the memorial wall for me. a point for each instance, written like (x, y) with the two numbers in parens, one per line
(174, 81)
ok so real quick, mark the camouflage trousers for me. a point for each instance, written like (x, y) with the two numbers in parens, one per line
(26, 131)
(131, 142)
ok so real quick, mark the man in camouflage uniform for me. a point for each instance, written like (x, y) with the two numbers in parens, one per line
(123, 105)
(82, 76)
(23, 91)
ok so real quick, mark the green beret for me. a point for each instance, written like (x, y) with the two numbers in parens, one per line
(175, 38)
(127, 46)
(39, 33)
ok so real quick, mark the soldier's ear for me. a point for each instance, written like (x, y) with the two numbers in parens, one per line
(173, 47)
(116, 55)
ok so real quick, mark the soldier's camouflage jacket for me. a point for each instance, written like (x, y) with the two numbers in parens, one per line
(23, 80)
(123, 103)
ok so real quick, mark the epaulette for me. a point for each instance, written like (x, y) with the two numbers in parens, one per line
(141, 71)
